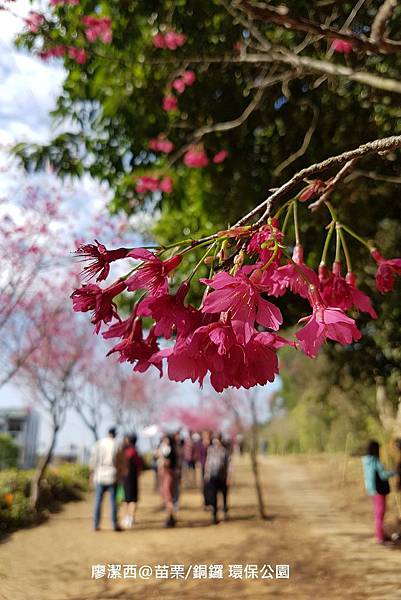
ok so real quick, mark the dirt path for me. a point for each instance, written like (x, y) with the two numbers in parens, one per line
(313, 527)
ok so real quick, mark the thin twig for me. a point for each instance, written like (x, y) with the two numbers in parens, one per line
(305, 144)
(382, 17)
(346, 169)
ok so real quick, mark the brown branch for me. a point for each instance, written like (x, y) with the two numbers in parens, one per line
(346, 169)
(382, 17)
(279, 16)
(375, 147)
(305, 144)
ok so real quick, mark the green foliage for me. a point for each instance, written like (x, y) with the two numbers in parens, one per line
(60, 484)
(111, 106)
(9, 452)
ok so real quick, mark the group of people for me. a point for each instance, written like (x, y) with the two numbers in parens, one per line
(176, 460)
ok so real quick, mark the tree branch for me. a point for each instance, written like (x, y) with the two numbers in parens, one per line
(305, 144)
(344, 171)
(279, 16)
(375, 147)
(379, 24)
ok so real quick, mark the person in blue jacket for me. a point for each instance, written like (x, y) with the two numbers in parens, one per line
(377, 486)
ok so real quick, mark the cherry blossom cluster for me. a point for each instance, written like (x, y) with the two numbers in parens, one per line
(234, 334)
(171, 40)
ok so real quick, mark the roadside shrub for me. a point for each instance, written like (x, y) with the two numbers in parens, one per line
(61, 484)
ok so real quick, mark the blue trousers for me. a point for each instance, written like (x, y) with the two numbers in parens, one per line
(99, 493)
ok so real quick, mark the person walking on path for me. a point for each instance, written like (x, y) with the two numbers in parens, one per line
(132, 465)
(103, 465)
(217, 474)
(167, 464)
(377, 486)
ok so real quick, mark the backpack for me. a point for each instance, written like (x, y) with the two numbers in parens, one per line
(382, 485)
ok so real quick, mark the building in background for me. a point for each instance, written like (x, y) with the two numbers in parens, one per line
(22, 425)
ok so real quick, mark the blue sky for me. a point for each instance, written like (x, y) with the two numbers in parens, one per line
(28, 90)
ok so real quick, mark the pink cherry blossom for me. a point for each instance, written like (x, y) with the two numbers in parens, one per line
(387, 270)
(100, 259)
(77, 54)
(158, 41)
(263, 242)
(170, 314)
(100, 301)
(296, 277)
(188, 77)
(220, 157)
(161, 144)
(55, 52)
(241, 298)
(325, 322)
(98, 28)
(33, 21)
(195, 158)
(174, 40)
(178, 85)
(60, 2)
(147, 183)
(136, 350)
(342, 46)
(169, 103)
(152, 274)
(342, 292)
(166, 185)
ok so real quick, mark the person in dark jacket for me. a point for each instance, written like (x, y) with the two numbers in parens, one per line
(377, 486)
(217, 476)
(132, 466)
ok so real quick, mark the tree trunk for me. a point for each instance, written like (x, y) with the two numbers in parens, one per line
(254, 460)
(384, 408)
(40, 470)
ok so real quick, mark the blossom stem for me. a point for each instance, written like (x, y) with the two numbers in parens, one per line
(283, 207)
(327, 244)
(346, 250)
(338, 243)
(287, 217)
(269, 262)
(357, 237)
(296, 224)
(199, 263)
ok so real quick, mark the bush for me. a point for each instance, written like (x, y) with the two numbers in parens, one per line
(9, 452)
(60, 484)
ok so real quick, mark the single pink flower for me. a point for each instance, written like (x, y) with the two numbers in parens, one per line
(342, 46)
(55, 52)
(78, 54)
(325, 322)
(188, 77)
(195, 158)
(161, 144)
(296, 277)
(158, 41)
(100, 259)
(170, 103)
(178, 85)
(33, 21)
(166, 185)
(241, 298)
(341, 292)
(220, 157)
(152, 274)
(387, 270)
(136, 350)
(92, 297)
(263, 242)
(359, 300)
(170, 313)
